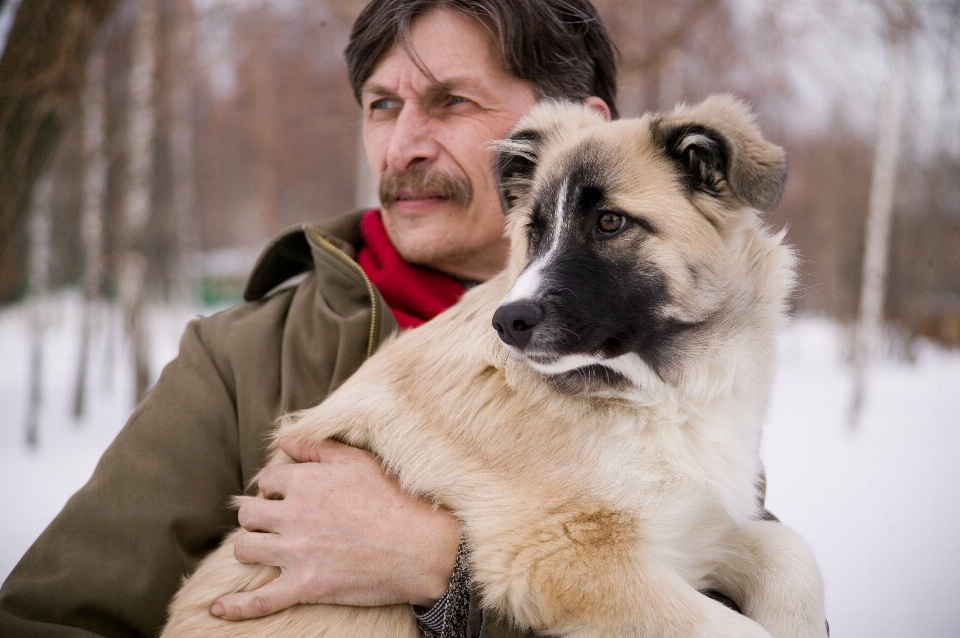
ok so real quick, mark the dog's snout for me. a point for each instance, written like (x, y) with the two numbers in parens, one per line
(514, 322)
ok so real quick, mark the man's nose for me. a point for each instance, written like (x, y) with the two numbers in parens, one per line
(412, 139)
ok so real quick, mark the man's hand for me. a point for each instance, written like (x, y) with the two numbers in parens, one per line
(343, 533)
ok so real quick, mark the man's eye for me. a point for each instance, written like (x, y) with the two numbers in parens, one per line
(382, 104)
(456, 99)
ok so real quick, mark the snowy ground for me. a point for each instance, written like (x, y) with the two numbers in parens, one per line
(880, 505)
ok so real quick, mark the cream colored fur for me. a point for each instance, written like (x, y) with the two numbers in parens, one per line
(587, 515)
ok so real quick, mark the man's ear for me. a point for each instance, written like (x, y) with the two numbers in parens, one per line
(720, 152)
(598, 105)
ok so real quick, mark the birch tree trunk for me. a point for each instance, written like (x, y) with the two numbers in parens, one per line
(264, 115)
(181, 96)
(868, 330)
(140, 131)
(93, 106)
(39, 273)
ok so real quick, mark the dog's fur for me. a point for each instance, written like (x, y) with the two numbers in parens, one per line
(605, 469)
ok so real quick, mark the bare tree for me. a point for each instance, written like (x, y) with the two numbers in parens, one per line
(869, 326)
(40, 81)
(39, 273)
(264, 114)
(93, 107)
(649, 37)
(181, 133)
(141, 123)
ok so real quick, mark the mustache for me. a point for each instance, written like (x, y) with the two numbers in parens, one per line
(428, 182)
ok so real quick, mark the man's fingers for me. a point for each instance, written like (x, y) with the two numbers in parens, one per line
(261, 515)
(292, 448)
(269, 599)
(327, 451)
(254, 547)
(274, 480)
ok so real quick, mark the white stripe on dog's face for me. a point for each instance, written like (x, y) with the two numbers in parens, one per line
(528, 283)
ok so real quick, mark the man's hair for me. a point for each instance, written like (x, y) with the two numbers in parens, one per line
(560, 46)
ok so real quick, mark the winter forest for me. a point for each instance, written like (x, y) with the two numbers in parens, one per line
(149, 150)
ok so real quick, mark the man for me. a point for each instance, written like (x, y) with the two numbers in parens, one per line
(437, 80)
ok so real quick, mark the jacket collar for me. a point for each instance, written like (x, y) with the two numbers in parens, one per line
(289, 253)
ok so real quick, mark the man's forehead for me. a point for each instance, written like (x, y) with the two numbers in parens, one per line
(432, 84)
(446, 50)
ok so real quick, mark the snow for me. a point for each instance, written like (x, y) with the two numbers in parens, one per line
(38, 482)
(879, 505)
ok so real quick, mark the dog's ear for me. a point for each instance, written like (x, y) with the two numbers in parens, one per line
(515, 163)
(520, 152)
(720, 152)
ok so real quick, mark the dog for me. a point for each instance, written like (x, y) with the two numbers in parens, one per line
(600, 442)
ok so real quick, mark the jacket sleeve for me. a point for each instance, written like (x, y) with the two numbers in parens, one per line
(157, 502)
(461, 615)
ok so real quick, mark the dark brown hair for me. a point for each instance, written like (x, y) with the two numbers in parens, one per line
(560, 46)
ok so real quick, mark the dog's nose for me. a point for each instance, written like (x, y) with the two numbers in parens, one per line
(515, 322)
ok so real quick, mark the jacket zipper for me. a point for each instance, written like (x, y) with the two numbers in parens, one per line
(325, 243)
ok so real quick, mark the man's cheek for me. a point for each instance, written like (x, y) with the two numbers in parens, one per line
(374, 146)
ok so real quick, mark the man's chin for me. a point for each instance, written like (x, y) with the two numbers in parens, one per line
(423, 230)
(424, 253)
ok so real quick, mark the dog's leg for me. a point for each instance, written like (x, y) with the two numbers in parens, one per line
(220, 573)
(587, 573)
(773, 577)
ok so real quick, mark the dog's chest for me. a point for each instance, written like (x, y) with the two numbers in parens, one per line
(644, 461)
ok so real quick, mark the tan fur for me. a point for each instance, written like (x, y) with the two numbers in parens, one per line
(597, 514)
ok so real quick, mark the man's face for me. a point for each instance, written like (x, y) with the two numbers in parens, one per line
(426, 140)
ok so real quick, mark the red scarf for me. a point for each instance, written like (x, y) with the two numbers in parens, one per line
(414, 294)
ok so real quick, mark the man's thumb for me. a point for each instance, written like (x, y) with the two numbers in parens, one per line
(269, 599)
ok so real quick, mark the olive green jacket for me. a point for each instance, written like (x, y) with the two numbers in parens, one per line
(158, 500)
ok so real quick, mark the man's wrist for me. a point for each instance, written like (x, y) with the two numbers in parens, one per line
(441, 560)
(448, 617)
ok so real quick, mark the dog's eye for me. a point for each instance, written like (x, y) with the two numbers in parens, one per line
(610, 223)
(535, 236)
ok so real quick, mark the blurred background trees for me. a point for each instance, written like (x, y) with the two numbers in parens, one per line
(252, 127)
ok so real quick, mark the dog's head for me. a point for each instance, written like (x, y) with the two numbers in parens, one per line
(635, 238)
